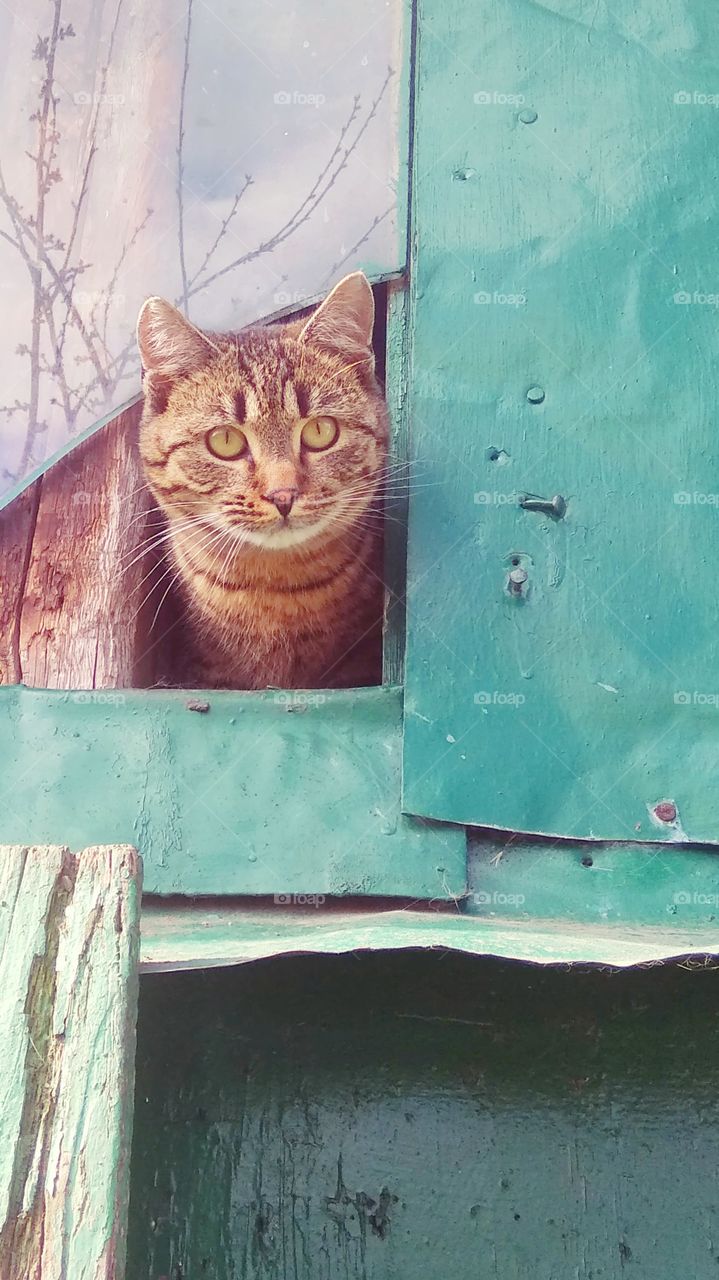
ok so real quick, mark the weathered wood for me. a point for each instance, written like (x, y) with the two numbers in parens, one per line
(69, 938)
(17, 525)
(80, 624)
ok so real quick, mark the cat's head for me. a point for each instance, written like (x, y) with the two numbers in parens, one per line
(278, 432)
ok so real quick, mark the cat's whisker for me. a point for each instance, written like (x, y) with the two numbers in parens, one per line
(177, 577)
(170, 569)
(159, 542)
(155, 541)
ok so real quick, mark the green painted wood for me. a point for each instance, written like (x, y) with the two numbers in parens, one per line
(69, 942)
(271, 793)
(401, 480)
(405, 1117)
(563, 320)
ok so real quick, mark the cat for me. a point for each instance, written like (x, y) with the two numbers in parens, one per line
(265, 451)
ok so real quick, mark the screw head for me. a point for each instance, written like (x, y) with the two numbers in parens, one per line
(527, 116)
(666, 811)
(536, 395)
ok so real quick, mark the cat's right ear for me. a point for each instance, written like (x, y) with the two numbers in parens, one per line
(170, 347)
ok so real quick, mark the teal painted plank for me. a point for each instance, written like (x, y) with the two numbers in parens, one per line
(270, 793)
(565, 197)
(426, 1118)
(69, 942)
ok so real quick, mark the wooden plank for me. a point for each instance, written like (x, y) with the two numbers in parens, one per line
(69, 942)
(395, 533)
(17, 525)
(393, 1117)
(81, 626)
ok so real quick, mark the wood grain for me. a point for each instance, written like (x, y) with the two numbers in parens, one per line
(69, 939)
(79, 625)
(17, 525)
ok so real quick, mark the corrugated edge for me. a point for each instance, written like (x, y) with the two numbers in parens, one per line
(193, 936)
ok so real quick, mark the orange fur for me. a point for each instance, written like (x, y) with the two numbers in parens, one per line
(290, 600)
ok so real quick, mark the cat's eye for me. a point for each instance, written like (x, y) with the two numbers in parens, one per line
(319, 433)
(227, 442)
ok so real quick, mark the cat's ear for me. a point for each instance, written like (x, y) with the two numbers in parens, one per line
(169, 345)
(344, 321)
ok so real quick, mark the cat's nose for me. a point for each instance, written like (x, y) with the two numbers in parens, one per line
(284, 499)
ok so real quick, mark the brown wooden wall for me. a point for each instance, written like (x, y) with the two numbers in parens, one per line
(72, 570)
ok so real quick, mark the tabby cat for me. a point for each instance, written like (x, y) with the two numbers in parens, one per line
(265, 450)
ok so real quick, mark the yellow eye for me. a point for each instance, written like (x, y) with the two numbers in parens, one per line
(227, 442)
(319, 433)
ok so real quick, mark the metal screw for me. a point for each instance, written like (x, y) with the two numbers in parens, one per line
(555, 506)
(528, 116)
(517, 579)
(536, 395)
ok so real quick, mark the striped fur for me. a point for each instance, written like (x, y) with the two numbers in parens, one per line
(291, 602)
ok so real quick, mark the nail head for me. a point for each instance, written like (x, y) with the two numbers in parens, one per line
(666, 811)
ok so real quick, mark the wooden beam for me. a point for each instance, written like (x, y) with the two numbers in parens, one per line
(69, 939)
(80, 625)
(17, 527)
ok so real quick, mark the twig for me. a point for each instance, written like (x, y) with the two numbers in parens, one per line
(316, 194)
(180, 160)
(223, 228)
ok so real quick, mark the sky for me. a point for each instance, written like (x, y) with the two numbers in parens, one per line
(264, 177)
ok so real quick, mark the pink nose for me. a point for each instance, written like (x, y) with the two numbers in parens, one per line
(284, 499)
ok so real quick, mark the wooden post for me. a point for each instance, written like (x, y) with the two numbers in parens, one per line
(69, 939)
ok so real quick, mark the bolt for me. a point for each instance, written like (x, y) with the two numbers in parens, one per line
(527, 116)
(555, 506)
(666, 811)
(517, 579)
(536, 395)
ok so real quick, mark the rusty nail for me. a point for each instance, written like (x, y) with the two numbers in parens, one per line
(666, 811)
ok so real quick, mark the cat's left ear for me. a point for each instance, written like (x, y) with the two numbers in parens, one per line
(170, 345)
(344, 321)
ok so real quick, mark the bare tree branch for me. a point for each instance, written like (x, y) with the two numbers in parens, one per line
(180, 159)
